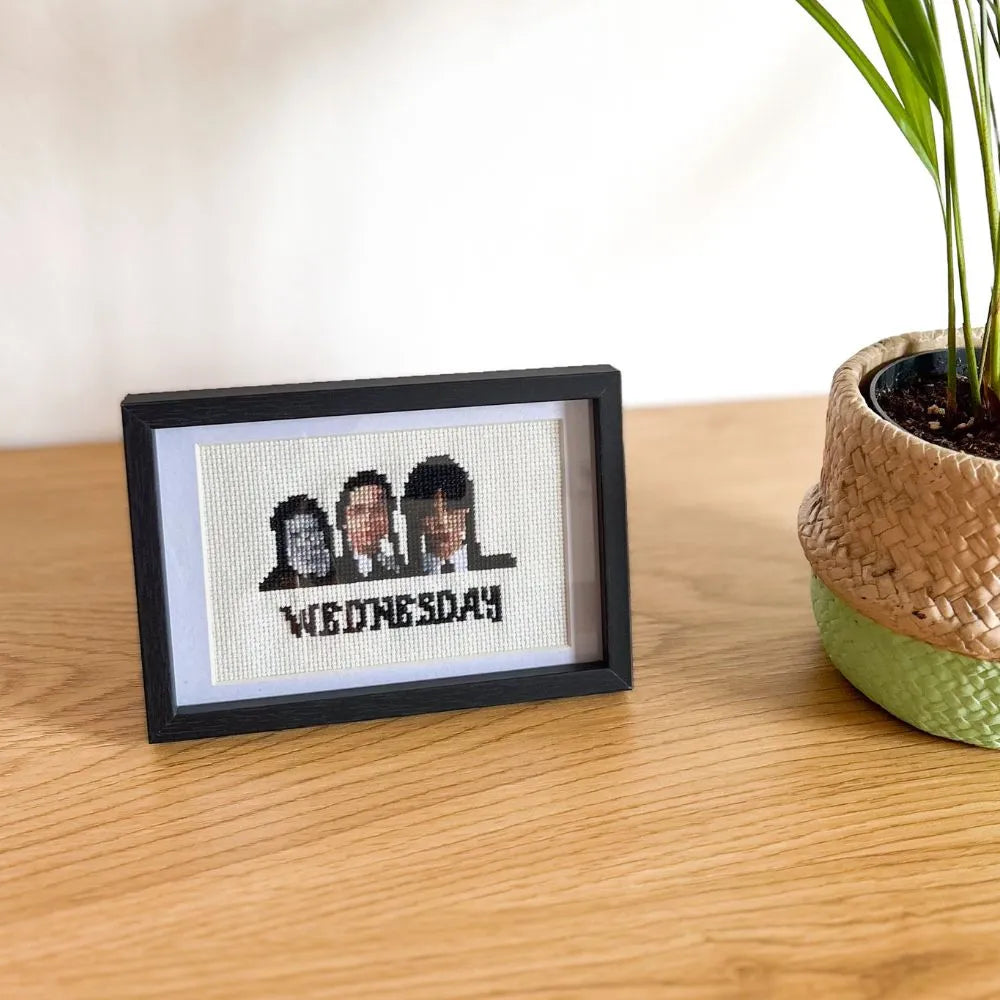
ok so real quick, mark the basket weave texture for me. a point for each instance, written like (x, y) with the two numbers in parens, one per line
(905, 532)
(933, 689)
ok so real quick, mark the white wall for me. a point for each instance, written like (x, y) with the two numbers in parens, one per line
(223, 192)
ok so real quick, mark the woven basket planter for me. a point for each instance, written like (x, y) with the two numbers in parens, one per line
(903, 538)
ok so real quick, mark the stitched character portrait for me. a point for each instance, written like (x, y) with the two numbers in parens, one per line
(363, 517)
(304, 544)
(439, 506)
(386, 543)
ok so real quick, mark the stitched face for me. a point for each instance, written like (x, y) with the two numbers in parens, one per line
(367, 519)
(306, 547)
(443, 527)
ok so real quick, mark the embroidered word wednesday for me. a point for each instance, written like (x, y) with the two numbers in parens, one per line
(395, 611)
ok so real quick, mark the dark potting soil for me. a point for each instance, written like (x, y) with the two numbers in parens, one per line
(920, 409)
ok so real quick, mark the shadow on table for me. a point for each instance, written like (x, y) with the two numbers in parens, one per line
(724, 627)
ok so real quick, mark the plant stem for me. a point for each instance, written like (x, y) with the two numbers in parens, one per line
(991, 355)
(955, 213)
(991, 350)
(963, 287)
(949, 229)
(978, 92)
(990, 333)
(949, 221)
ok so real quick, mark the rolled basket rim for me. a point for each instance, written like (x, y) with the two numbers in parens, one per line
(848, 397)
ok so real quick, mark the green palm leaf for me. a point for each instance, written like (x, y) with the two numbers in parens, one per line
(913, 89)
(897, 110)
(914, 27)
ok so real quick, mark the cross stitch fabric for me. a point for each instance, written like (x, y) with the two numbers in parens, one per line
(342, 552)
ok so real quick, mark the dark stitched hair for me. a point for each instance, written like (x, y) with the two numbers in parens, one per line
(434, 475)
(290, 508)
(439, 474)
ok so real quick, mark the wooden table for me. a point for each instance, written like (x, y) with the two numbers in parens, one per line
(743, 824)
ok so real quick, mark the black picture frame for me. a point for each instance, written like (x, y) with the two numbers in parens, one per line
(144, 414)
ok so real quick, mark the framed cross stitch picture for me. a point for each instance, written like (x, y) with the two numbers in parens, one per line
(333, 552)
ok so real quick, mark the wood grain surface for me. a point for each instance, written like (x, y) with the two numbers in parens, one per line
(743, 824)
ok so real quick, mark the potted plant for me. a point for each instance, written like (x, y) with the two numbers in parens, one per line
(903, 529)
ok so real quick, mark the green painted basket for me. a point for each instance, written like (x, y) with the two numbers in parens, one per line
(903, 538)
(933, 689)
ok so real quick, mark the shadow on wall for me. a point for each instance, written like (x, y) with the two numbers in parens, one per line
(133, 181)
(223, 192)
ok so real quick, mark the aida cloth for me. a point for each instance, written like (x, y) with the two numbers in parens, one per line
(287, 596)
